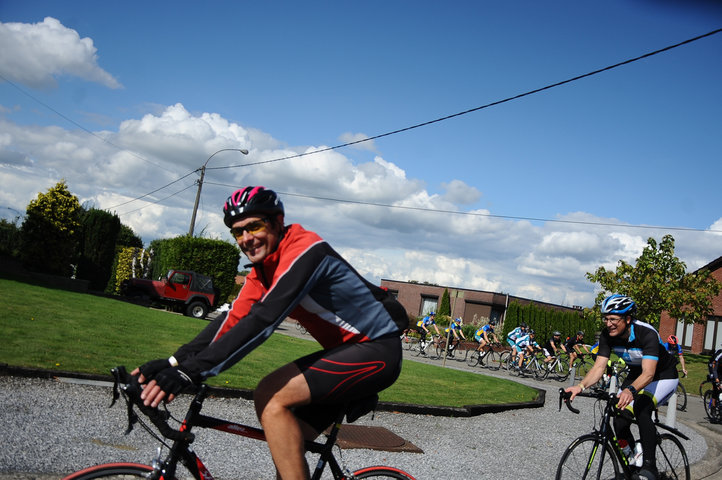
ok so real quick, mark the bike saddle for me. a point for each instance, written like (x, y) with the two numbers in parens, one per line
(356, 409)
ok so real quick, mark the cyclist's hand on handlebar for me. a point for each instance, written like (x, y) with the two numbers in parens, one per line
(625, 398)
(167, 384)
(574, 390)
(149, 370)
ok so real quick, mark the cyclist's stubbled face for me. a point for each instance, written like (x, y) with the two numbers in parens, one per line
(257, 246)
(616, 324)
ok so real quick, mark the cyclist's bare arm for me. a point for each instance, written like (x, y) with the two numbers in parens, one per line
(591, 378)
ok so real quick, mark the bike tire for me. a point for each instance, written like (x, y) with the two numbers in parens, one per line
(461, 352)
(382, 472)
(561, 370)
(681, 397)
(582, 459)
(505, 360)
(473, 358)
(492, 360)
(417, 350)
(671, 458)
(112, 471)
(713, 413)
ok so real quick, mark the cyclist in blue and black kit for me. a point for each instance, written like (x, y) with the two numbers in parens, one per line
(422, 326)
(652, 375)
(484, 334)
(675, 349)
(453, 332)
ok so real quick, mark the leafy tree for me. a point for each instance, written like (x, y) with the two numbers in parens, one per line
(658, 281)
(97, 246)
(50, 230)
(445, 307)
(128, 238)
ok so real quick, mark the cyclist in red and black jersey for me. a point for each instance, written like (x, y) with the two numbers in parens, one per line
(652, 377)
(294, 273)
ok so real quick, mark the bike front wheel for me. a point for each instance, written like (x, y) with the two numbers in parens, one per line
(671, 458)
(473, 359)
(586, 457)
(381, 472)
(112, 471)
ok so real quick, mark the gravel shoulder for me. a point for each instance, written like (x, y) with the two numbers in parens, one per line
(51, 427)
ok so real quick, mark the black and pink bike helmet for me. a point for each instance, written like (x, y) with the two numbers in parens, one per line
(249, 201)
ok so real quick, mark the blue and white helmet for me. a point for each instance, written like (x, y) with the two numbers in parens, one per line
(618, 305)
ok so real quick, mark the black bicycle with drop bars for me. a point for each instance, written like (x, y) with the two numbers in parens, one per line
(179, 450)
(598, 455)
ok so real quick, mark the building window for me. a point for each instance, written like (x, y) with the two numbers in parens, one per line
(428, 304)
(713, 333)
(683, 333)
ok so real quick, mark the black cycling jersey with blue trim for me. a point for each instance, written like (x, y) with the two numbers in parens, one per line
(643, 342)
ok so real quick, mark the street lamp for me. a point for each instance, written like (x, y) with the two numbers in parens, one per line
(200, 184)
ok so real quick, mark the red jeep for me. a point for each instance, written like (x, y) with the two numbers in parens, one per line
(188, 292)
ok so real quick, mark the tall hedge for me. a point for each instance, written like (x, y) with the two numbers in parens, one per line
(215, 258)
(99, 231)
(545, 320)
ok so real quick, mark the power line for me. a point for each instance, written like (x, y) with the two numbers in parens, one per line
(488, 105)
(157, 201)
(486, 215)
(70, 120)
(157, 189)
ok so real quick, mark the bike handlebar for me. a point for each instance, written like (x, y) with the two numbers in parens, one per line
(131, 389)
(566, 398)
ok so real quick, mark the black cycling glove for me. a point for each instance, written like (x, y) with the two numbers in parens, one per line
(150, 369)
(173, 380)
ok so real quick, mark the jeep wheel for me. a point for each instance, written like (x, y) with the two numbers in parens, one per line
(197, 310)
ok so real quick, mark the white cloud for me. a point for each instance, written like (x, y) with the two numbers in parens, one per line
(469, 249)
(460, 193)
(359, 141)
(34, 54)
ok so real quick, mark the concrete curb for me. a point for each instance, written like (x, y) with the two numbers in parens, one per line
(437, 410)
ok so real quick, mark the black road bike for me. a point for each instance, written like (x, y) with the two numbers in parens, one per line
(180, 451)
(597, 455)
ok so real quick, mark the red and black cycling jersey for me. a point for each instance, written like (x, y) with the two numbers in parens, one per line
(643, 342)
(305, 279)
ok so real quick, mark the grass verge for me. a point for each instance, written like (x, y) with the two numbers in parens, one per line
(66, 331)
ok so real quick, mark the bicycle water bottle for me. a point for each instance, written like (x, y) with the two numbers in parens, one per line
(624, 445)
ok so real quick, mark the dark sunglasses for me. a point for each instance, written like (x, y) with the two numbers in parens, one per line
(252, 228)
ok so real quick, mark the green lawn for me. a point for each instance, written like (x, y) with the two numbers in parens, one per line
(67, 331)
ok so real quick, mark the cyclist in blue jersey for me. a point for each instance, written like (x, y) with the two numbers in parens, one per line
(675, 349)
(423, 325)
(652, 375)
(513, 336)
(453, 332)
(485, 334)
(525, 345)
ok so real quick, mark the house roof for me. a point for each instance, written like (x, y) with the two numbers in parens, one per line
(711, 266)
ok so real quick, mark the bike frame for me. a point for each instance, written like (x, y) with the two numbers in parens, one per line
(183, 437)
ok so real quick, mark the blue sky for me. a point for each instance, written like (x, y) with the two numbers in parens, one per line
(120, 99)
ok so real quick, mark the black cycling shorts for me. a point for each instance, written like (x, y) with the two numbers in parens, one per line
(347, 372)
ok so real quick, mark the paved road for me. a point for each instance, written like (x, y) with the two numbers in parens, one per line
(51, 427)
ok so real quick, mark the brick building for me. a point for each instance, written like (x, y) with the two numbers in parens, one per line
(474, 306)
(700, 337)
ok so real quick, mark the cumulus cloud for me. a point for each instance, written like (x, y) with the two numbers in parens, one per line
(359, 141)
(34, 54)
(388, 224)
(460, 193)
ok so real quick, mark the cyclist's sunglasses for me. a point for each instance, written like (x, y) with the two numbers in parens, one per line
(252, 228)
